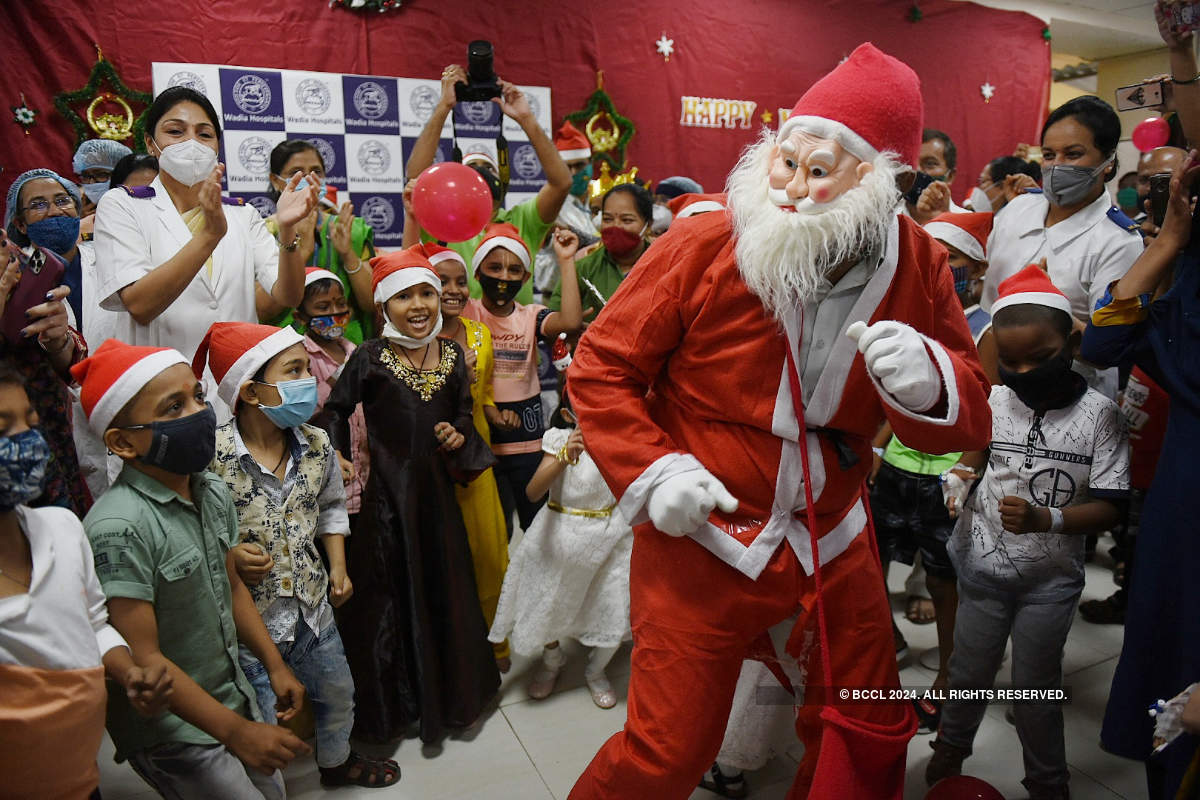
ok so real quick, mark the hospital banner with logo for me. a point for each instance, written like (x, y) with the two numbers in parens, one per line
(364, 127)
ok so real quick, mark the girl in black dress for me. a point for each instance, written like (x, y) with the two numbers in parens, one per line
(413, 632)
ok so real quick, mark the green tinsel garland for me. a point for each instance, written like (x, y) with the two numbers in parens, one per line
(600, 101)
(102, 71)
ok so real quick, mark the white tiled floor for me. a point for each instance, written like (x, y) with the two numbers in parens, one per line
(528, 750)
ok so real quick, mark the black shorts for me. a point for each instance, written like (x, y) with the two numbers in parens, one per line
(911, 516)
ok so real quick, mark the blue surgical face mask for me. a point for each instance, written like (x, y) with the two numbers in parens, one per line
(93, 191)
(297, 402)
(23, 459)
(303, 184)
(962, 280)
(58, 234)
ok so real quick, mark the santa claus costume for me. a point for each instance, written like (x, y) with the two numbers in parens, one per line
(688, 386)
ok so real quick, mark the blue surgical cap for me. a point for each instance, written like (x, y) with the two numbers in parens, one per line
(10, 208)
(676, 185)
(98, 153)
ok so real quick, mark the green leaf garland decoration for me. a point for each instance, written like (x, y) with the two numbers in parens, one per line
(601, 102)
(102, 71)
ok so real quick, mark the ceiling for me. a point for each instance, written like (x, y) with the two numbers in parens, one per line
(1093, 29)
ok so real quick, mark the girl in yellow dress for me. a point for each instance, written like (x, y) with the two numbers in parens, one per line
(480, 499)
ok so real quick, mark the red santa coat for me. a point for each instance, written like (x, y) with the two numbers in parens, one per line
(685, 368)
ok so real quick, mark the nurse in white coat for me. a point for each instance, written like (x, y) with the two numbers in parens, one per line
(1086, 241)
(174, 257)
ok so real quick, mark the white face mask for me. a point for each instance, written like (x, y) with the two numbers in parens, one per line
(188, 162)
(979, 200)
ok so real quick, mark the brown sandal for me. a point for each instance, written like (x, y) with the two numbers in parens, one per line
(359, 770)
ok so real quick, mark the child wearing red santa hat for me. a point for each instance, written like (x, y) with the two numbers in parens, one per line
(1056, 470)
(414, 632)
(501, 265)
(287, 488)
(160, 537)
(479, 500)
(325, 313)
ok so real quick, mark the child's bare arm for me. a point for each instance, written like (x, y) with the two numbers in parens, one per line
(262, 747)
(547, 471)
(340, 588)
(253, 633)
(1021, 516)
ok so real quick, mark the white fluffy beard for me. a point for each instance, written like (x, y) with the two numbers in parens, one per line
(783, 255)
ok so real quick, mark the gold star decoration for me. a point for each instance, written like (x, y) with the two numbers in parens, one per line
(767, 117)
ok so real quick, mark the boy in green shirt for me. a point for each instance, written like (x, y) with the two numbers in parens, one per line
(160, 537)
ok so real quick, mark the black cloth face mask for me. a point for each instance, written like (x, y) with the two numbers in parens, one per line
(1048, 382)
(182, 446)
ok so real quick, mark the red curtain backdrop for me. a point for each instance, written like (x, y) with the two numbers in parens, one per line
(765, 51)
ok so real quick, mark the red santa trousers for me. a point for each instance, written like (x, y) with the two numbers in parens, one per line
(694, 618)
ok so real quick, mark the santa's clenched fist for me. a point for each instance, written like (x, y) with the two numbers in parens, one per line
(896, 356)
(681, 503)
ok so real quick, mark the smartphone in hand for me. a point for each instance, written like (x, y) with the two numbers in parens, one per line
(40, 273)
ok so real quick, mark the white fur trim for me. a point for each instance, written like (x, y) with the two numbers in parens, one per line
(447, 255)
(320, 275)
(252, 360)
(949, 381)
(515, 246)
(633, 502)
(481, 155)
(825, 128)
(1050, 299)
(402, 279)
(699, 207)
(128, 385)
(954, 235)
(752, 559)
(574, 155)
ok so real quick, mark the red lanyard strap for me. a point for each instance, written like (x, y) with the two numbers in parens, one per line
(810, 512)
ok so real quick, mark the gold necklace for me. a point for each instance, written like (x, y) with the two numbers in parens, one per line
(424, 382)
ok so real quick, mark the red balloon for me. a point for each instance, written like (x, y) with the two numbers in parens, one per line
(452, 202)
(1150, 133)
(963, 787)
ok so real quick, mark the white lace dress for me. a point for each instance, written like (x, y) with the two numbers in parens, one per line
(569, 574)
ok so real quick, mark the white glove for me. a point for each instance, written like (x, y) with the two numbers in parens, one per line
(896, 356)
(681, 503)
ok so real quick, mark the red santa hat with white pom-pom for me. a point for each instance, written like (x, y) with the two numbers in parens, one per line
(1030, 286)
(114, 374)
(870, 104)
(503, 235)
(571, 143)
(436, 254)
(235, 351)
(967, 232)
